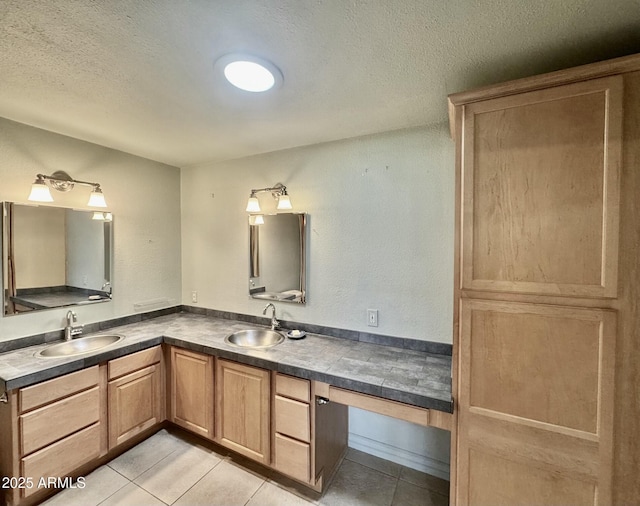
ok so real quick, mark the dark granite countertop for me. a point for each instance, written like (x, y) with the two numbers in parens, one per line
(414, 377)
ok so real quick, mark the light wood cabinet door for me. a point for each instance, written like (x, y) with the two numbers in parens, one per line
(540, 191)
(135, 404)
(243, 409)
(535, 405)
(192, 391)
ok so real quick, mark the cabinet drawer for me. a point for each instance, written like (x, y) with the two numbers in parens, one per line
(124, 365)
(292, 458)
(295, 388)
(52, 390)
(292, 418)
(47, 424)
(61, 458)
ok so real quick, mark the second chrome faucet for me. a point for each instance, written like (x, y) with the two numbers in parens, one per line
(275, 324)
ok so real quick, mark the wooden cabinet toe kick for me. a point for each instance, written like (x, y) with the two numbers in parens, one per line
(407, 412)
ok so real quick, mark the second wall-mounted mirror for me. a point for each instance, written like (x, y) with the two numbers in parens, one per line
(277, 258)
(54, 257)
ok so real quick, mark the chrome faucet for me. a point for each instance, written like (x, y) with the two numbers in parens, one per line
(274, 322)
(105, 285)
(72, 330)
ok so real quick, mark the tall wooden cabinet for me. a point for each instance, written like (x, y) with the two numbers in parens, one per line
(547, 288)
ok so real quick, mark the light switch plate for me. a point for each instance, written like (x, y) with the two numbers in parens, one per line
(372, 317)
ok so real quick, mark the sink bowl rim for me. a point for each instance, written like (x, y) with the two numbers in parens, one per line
(279, 340)
(43, 353)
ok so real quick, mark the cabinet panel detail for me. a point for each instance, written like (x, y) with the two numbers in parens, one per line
(192, 391)
(536, 386)
(538, 363)
(134, 404)
(502, 482)
(295, 388)
(292, 458)
(540, 178)
(129, 363)
(243, 409)
(293, 418)
(62, 457)
(57, 388)
(49, 423)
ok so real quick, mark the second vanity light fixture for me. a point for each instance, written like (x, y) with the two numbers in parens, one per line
(278, 191)
(63, 182)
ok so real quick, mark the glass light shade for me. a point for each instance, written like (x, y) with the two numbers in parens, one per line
(98, 215)
(253, 205)
(284, 202)
(256, 219)
(40, 192)
(108, 217)
(96, 199)
(249, 76)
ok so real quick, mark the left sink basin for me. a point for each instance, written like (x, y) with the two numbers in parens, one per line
(80, 345)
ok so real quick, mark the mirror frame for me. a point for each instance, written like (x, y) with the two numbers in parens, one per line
(48, 298)
(295, 296)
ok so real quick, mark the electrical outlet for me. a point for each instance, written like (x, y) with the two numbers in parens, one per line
(194, 296)
(372, 317)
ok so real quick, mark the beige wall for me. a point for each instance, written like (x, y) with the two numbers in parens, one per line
(380, 231)
(144, 197)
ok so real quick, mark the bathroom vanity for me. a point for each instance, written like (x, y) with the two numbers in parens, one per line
(285, 407)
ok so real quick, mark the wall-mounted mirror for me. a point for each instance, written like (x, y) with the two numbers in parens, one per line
(277, 264)
(54, 257)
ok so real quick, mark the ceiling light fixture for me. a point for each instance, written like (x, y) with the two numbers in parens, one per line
(63, 182)
(249, 73)
(278, 191)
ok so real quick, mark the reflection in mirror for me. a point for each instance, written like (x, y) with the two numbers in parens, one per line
(54, 257)
(277, 265)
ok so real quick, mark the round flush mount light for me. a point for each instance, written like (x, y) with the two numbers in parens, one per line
(249, 73)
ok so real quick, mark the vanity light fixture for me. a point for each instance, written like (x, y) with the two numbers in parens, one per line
(63, 182)
(278, 191)
(100, 216)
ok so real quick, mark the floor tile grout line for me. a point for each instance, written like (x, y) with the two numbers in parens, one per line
(113, 493)
(395, 491)
(285, 489)
(374, 468)
(152, 465)
(222, 459)
(137, 486)
(253, 495)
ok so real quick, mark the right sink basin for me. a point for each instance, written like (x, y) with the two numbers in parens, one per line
(255, 338)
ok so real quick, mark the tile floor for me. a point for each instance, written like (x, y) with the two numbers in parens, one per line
(171, 468)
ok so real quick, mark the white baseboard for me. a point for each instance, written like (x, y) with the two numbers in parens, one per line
(400, 456)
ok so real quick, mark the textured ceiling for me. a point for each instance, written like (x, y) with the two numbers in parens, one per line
(137, 75)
